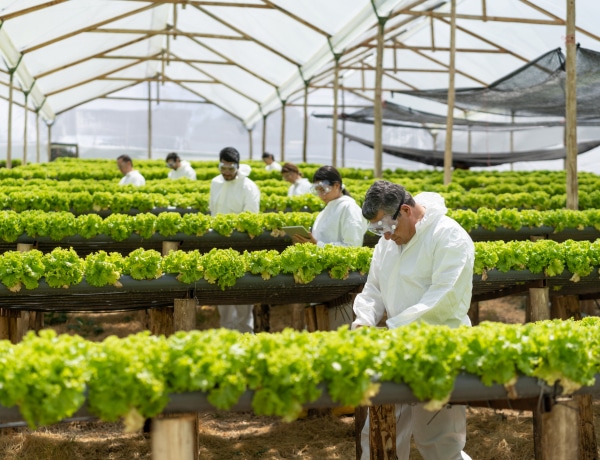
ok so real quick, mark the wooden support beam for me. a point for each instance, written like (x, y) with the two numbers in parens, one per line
(322, 317)
(560, 429)
(184, 315)
(175, 437)
(382, 434)
(474, 313)
(297, 322)
(310, 318)
(159, 321)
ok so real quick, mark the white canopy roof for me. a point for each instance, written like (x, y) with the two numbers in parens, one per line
(248, 56)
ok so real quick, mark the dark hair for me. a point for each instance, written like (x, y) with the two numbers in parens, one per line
(172, 157)
(230, 154)
(329, 173)
(268, 155)
(290, 167)
(386, 196)
(125, 158)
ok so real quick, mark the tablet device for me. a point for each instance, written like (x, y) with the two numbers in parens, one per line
(296, 230)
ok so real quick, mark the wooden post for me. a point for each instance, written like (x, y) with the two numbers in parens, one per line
(25, 132)
(451, 95)
(571, 109)
(149, 120)
(48, 146)
(4, 324)
(264, 134)
(184, 315)
(322, 316)
(539, 304)
(175, 438)
(19, 320)
(168, 246)
(161, 321)
(382, 437)
(282, 148)
(9, 133)
(378, 104)
(310, 317)
(250, 143)
(538, 309)
(560, 428)
(565, 307)
(262, 317)
(305, 130)
(360, 416)
(474, 313)
(297, 321)
(37, 136)
(334, 122)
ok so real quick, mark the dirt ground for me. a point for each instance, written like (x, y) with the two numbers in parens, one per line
(492, 434)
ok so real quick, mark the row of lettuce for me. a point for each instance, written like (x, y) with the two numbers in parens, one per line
(67, 169)
(62, 268)
(50, 377)
(119, 227)
(273, 183)
(128, 200)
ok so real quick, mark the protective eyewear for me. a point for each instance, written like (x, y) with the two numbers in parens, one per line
(171, 164)
(387, 223)
(227, 168)
(321, 188)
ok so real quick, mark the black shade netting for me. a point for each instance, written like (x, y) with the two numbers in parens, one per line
(536, 89)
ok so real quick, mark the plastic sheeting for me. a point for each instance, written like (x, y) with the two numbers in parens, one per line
(244, 56)
(251, 56)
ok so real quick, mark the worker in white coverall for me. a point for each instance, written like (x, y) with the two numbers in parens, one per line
(341, 222)
(421, 271)
(232, 192)
(130, 176)
(300, 185)
(180, 169)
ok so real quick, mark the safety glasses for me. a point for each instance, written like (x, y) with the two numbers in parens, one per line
(321, 188)
(228, 168)
(387, 223)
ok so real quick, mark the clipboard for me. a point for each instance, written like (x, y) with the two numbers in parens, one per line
(296, 230)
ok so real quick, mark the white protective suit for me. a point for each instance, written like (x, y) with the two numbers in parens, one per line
(274, 166)
(234, 197)
(185, 170)
(300, 187)
(133, 177)
(341, 223)
(429, 279)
